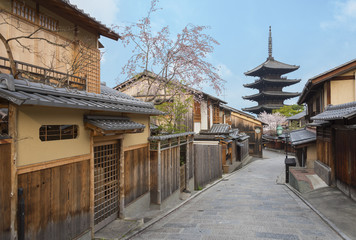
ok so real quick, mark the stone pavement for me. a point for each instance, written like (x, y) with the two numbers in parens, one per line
(246, 205)
(339, 209)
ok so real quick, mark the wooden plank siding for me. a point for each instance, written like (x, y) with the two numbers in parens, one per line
(208, 166)
(57, 201)
(345, 155)
(154, 176)
(170, 172)
(136, 173)
(325, 149)
(5, 191)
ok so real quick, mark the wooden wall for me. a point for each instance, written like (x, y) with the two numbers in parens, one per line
(255, 140)
(5, 190)
(136, 173)
(170, 171)
(191, 162)
(57, 201)
(208, 166)
(324, 149)
(345, 155)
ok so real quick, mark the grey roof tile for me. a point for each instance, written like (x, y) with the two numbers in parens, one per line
(32, 93)
(220, 129)
(169, 136)
(334, 112)
(298, 115)
(302, 136)
(109, 123)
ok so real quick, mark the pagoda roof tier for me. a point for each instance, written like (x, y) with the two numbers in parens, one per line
(259, 83)
(261, 108)
(272, 95)
(271, 67)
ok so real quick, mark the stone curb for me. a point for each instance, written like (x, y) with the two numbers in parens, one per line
(327, 221)
(158, 218)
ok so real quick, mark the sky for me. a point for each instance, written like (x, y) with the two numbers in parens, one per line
(316, 35)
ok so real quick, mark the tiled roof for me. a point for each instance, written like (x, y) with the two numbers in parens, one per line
(110, 123)
(274, 94)
(220, 129)
(302, 136)
(298, 115)
(335, 112)
(262, 81)
(271, 64)
(25, 92)
(169, 136)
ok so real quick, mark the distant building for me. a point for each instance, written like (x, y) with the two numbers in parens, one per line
(270, 83)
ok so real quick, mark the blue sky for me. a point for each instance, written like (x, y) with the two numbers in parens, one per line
(316, 35)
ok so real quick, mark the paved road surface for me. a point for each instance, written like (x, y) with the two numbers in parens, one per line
(248, 205)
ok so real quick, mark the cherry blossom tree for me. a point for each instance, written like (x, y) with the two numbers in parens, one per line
(180, 59)
(273, 120)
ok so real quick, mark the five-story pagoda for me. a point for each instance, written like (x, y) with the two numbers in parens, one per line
(270, 83)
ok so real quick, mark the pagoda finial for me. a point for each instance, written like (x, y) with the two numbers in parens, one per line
(270, 44)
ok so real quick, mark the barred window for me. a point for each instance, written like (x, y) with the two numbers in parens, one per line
(48, 22)
(20, 9)
(24, 11)
(58, 132)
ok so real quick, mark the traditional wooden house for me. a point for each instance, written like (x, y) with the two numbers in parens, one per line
(203, 110)
(73, 153)
(335, 86)
(246, 123)
(297, 120)
(336, 138)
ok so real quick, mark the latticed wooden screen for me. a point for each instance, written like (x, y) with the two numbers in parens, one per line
(92, 70)
(106, 183)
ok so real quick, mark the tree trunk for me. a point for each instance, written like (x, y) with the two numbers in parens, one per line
(10, 56)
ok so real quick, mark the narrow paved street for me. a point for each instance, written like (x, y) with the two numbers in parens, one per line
(247, 205)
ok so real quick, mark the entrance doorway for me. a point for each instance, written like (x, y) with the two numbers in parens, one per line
(106, 183)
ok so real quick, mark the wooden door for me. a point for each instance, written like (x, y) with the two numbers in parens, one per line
(345, 155)
(106, 183)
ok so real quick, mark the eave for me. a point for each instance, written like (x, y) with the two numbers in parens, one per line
(279, 82)
(271, 66)
(332, 74)
(75, 15)
(272, 95)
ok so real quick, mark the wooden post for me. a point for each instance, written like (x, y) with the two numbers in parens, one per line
(91, 182)
(159, 197)
(13, 133)
(170, 172)
(187, 163)
(178, 168)
(122, 181)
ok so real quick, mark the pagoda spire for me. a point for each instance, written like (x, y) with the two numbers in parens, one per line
(270, 44)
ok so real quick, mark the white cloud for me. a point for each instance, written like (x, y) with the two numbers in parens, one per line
(104, 11)
(345, 15)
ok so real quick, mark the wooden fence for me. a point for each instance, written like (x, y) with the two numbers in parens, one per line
(165, 161)
(57, 201)
(136, 173)
(208, 165)
(5, 190)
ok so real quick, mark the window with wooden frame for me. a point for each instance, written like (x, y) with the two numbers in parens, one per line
(26, 12)
(197, 111)
(22, 10)
(58, 132)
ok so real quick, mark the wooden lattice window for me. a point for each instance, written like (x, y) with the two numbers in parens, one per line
(20, 9)
(28, 13)
(48, 22)
(91, 69)
(197, 111)
(58, 132)
(216, 114)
